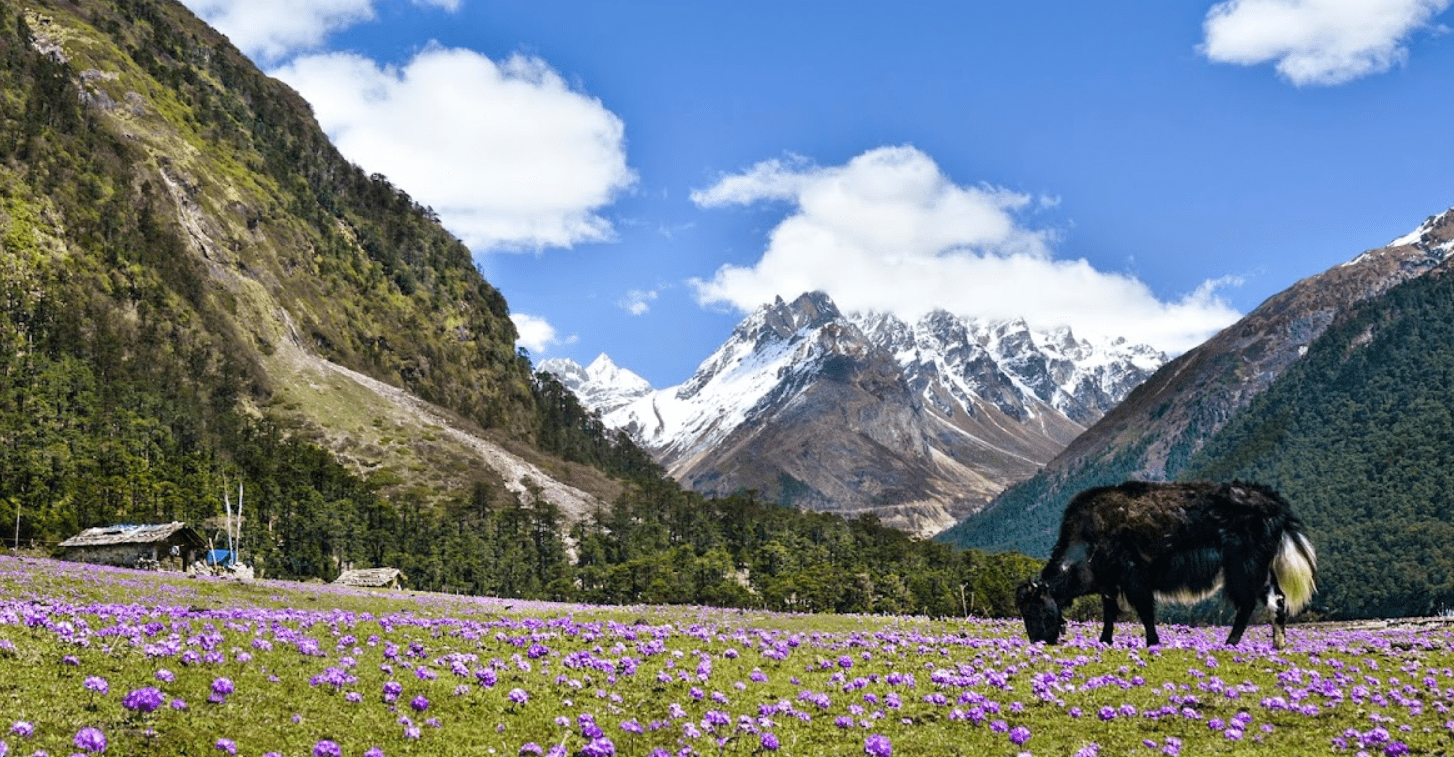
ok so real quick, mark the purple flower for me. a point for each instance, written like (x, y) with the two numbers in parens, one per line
(419, 703)
(878, 745)
(91, 740)
(23, 728)
(226, 745)
(1019, 735)
(374, 751)
(531, 747)
(222, 686)
(770, 742)
(518, 696)
(327, 748)
(143, 700)
(166, 676)
(97, 684)
(599, 747)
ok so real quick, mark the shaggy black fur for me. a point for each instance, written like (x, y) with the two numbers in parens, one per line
(1139, 542)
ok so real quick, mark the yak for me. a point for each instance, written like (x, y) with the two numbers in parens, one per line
(1139, 542)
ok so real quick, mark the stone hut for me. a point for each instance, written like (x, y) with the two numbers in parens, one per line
(376, 578)
(163, 545)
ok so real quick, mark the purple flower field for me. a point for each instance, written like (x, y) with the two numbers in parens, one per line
(115, 662)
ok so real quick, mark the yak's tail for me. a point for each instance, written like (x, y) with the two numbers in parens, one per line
(1296, 567)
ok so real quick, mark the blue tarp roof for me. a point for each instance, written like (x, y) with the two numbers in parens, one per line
(219, 557)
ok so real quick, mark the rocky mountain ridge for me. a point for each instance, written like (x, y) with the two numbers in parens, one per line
(865, 413)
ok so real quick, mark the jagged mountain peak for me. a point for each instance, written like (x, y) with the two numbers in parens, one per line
(602, 386)
(782, 320)
(854, 412)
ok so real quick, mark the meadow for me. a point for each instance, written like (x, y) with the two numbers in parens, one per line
(118, 662)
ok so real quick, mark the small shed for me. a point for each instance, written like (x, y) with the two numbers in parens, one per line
(376, 578)
(172, 545)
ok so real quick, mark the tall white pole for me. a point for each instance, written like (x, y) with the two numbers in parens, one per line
(239, 521)
(228, 523)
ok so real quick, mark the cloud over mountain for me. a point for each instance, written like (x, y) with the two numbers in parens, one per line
(889, 232)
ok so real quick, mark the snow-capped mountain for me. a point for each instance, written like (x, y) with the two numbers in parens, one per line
(919, 423)
(601, 386)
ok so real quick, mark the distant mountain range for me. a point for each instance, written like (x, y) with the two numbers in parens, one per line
(918, 423)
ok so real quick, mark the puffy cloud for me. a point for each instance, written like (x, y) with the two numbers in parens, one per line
(536, 334)
(507, 154)
(1316, 41)
(889, 232)
(273, 29)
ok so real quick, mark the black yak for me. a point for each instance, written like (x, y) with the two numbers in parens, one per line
(1139, 542)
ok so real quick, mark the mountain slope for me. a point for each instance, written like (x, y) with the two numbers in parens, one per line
(192, 274)
(918, 423)
(1359, 435)
(1162, 423)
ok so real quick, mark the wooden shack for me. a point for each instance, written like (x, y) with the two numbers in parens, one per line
(171, 546)
(375, 578)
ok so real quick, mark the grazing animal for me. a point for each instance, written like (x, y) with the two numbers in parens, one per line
(1139, 542)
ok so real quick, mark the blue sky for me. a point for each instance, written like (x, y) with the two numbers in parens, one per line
(636, 176)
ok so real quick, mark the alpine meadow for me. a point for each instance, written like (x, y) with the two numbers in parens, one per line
(217, 325)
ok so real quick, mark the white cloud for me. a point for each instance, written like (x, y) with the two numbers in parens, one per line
(637, 301)
(1316, 41)
(889, 232)
(271, 30)
(536, 334)
(507, 154)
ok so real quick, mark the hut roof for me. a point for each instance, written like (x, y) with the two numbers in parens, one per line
(370, 577)
(131, 534)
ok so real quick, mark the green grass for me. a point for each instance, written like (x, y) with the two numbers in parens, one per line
(706, 680)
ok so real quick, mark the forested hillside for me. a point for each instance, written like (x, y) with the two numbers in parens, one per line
(176, 233)
(1359, 436)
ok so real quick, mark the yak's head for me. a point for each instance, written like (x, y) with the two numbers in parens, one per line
(1043, 621)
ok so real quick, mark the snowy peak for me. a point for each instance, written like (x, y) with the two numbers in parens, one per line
(1011, 365)
(1434, 238)
(602, 386)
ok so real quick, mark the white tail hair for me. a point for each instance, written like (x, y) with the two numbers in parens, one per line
(1296, 569)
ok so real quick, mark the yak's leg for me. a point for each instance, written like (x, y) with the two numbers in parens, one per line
(1239, 625)
(1110, 608)
(1240, 589)
(1278, 601)
(1145, 605)
(1136, 587)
